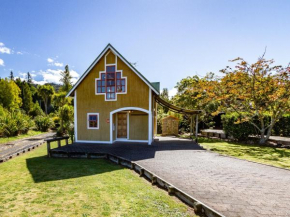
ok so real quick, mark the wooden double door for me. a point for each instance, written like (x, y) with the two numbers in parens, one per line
(122, 125)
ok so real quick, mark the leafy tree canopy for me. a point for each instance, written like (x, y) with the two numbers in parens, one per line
(9, 94)
(253, 91)
(46, 92)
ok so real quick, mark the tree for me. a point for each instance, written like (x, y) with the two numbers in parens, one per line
(191, 95)
(9, 94)
(66, 80)
(254, 91)
(164, 95)
(66, 114)
(29, 79)
(11, 76)
(27, 98)
(45, 92)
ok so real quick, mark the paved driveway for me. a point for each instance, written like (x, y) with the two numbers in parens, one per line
(231, 186)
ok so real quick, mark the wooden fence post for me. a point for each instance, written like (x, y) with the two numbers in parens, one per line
(48, 148)
(66, 141)
(58, 143)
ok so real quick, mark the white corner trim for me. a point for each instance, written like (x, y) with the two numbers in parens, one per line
(75, 116)
(97, 60)
(88, 123)
(128, 125)
(150, 118)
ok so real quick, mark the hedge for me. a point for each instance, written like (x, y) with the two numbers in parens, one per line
(242, 131)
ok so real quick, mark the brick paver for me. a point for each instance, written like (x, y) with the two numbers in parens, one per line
(231, 186)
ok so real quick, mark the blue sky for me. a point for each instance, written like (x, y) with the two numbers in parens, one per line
(169, 40)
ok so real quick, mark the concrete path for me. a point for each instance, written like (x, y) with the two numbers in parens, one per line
(16, 147)
(231, 186)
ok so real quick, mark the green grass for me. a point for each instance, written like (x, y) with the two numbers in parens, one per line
(29, 134)
(34, 185)
(278, 157)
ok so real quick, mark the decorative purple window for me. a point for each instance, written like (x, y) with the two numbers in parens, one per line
(111, 82)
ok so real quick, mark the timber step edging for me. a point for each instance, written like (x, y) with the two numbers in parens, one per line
(20, 150)
(198, 206)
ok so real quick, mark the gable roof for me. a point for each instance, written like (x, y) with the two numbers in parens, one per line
(153, 86)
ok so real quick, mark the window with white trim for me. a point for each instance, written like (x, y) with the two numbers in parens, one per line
(93, 120)
(111, 82)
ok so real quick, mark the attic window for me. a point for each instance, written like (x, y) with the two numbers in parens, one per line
(111, 83)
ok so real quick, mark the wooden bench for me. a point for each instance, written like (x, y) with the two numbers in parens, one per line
(58, 139)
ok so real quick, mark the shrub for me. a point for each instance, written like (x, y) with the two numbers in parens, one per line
(36, 110)
(43, 123)
(240, 131)
(56, 120)
(66, 114)
(282, 127)
(13, 123)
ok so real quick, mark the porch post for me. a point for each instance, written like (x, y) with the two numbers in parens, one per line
(191, 122)
(196, 128)
(150, 119)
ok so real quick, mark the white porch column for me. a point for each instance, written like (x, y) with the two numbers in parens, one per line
(150, 118)
(111, 128)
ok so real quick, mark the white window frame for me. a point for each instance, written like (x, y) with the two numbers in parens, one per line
(88, 121)
(100, 78)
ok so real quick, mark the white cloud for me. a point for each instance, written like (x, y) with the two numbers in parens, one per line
(50, 60)
(74, 74)
(4, 49)
(19, 53)
(1, 61)
(53, 76)
(58, 64)
(172, 92)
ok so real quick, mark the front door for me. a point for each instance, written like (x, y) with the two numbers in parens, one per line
(122, 126)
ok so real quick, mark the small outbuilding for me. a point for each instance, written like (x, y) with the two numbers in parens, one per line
(169, 125)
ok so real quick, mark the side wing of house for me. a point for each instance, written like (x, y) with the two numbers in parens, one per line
(113, 103)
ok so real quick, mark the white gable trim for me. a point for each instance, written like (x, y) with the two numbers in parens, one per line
(97, 60)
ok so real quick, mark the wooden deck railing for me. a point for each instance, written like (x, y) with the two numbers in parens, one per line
(58, 139)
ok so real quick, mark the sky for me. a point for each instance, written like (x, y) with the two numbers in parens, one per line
(169, 40)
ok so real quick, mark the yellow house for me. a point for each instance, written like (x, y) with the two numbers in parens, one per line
(114, 102)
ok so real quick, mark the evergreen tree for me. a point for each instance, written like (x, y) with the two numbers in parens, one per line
(66, 80)
(29, 79)
(11, 76)
(164, 95)
(27, 98)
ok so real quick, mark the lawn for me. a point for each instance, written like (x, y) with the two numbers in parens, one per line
(29, 134)
(34, 185)
(278, 157)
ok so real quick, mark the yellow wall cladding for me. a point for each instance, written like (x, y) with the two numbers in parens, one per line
(110, 58)
(88, 102)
